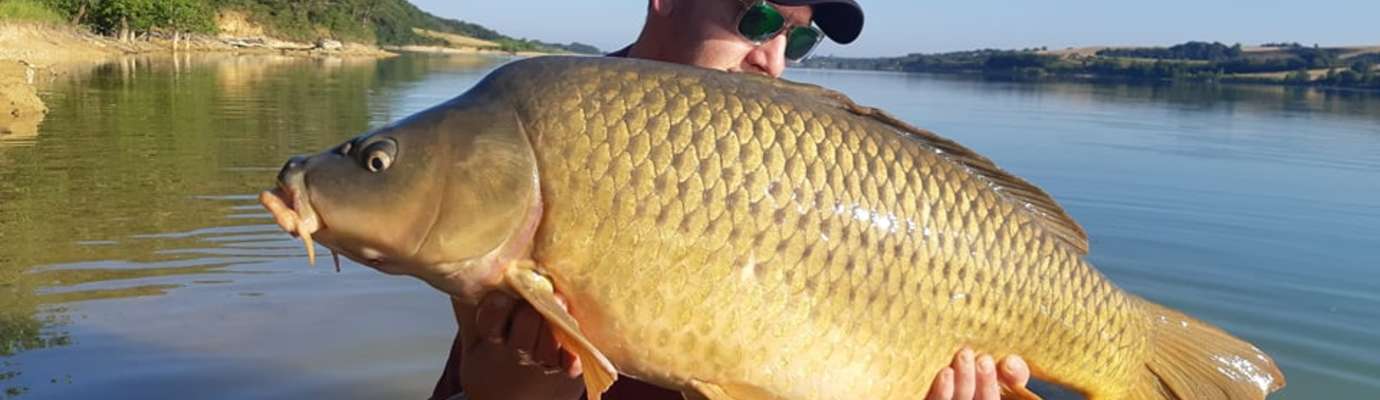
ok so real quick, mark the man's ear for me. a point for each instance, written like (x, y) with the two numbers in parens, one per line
(662, 8)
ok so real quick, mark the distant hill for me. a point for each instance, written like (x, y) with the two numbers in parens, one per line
(381, 22)
(1289, 63)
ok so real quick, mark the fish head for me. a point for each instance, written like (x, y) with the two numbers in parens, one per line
(448, 195)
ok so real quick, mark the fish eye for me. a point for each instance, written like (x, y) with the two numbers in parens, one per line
(379, 156)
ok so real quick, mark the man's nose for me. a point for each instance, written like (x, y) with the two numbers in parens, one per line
(770, 56)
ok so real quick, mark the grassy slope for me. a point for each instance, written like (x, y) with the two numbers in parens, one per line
(381, 22)
(29, 11)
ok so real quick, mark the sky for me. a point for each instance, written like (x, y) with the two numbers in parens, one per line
(897, 27)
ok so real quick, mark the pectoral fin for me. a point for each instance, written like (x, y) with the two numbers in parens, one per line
(524, 279)
(729, 391)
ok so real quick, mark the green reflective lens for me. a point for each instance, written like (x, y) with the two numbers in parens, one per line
(800, 41)
(760, 22)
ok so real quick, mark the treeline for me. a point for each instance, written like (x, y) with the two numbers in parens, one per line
(1360, 73)
(573, 47)
(127, 18)
(382, 22)
(1202, 51)
(1199, 61)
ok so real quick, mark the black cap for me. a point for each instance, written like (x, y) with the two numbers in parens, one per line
(841, 20)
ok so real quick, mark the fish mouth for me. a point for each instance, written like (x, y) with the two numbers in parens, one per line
(291, 208)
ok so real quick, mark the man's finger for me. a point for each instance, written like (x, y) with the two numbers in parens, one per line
(964, 376)
(493, 316)
(522, 333)
(1013, 371)
(571, 363)
(943, 386)
(987, 386)
(547, 353)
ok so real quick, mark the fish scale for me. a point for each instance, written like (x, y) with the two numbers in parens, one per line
(779, 232)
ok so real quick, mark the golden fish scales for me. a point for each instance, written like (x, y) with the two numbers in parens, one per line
(775, 240)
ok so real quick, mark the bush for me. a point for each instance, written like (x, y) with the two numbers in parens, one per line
(1300, 76)
(29, 11)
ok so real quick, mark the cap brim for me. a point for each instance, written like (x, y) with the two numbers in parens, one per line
(841, 20)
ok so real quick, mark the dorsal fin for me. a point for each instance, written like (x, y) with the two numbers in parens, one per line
(1047, 212)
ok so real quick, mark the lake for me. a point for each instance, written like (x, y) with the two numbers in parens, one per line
(136, 262)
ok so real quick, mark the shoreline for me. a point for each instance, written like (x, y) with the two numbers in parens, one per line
(32, 52)
(1096, 78)
(459, 50)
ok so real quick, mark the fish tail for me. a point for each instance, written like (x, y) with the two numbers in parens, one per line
(1189, 359)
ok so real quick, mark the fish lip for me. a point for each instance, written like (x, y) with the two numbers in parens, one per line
(292, 188)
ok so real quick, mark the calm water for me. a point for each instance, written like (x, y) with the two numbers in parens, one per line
(135, 261)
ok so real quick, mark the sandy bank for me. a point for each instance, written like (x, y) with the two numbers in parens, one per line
(20, 109)
(44, 45)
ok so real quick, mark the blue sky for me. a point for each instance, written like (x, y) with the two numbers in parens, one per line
(896, 27)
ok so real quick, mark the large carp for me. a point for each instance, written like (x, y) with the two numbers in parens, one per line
(738, 237)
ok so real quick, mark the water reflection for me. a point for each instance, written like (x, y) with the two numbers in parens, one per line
(141, 180)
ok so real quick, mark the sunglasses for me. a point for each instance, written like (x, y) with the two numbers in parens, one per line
(761, 22)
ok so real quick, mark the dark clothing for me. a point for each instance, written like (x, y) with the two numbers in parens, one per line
(625, 389)
(623, 52)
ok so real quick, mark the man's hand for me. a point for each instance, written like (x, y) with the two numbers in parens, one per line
(512, 355)
(968, 378)
(502, 319)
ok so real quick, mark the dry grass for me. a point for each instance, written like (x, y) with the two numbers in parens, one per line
(1077, 52)
(457, 40)
(1312, 73)
(236, 23)
(1359, 50)
(44, 44)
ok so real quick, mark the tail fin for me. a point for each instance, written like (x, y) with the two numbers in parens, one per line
(1190, 359)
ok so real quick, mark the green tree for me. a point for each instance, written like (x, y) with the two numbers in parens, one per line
(125, 18)
(1349, 78)
(1300, 76)
(1362, 66)
(183, 16)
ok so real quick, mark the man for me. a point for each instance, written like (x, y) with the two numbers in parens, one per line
(505, 350)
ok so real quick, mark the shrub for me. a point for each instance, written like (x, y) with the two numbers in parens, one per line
(29, 11)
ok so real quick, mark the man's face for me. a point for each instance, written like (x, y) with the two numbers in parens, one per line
(708, 34)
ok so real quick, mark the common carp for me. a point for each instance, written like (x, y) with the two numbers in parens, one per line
(739, 237)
